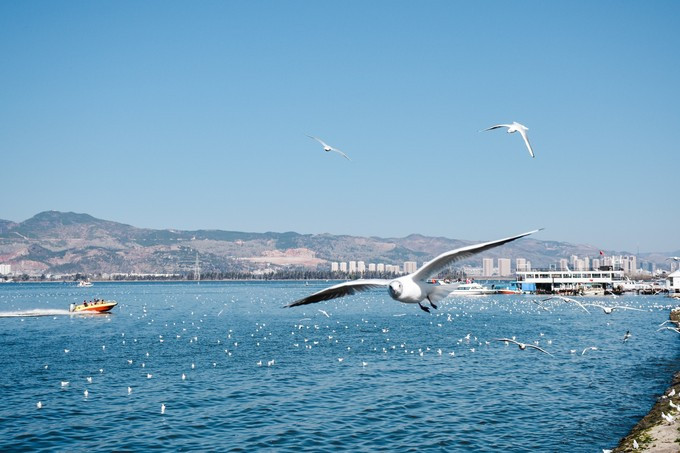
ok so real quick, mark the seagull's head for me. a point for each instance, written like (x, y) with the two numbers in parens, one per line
(395, 289)
(327, 148)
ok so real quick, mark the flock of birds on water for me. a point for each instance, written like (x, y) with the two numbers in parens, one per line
(309, 332)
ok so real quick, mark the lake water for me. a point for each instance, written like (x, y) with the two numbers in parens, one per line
(372, 375)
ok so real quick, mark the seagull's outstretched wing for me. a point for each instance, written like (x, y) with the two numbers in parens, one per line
(496, 127)
(441, 262)
(540, 349)
(526, 140)
(341, 290)
(622, 307)
(340, 152)
(319, 140)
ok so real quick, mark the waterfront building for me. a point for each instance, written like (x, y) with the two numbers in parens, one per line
(380, 267)
(520, 264)
(572, 282)
(673, 284)
(343, 267)
(352, 267)
(564, 264)
(5, 269)
(410, 266)
(504, 267)
(371, 267)
(335, 266)
(487, 267)
(361, 267)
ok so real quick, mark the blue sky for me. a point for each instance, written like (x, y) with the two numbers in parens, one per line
(192, 115)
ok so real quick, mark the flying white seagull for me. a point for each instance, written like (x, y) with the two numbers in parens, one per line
(522, 346)
(328, 148)
(515, 127)
(412, 288)
(609, 310)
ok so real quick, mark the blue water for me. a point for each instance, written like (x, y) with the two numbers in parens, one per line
(369, 377)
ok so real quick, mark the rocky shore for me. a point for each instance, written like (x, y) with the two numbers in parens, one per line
(654, 433)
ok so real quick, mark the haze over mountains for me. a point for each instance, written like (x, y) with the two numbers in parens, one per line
(55, 242)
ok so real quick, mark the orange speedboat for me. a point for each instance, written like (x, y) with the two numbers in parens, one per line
(98, 306)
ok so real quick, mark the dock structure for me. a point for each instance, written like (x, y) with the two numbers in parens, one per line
(596, 282)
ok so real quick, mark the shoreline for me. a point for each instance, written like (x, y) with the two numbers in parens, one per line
(653, 433)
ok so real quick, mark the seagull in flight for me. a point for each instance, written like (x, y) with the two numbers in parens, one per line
(567, 300)
(522, 346)
(516, 127)
(609, 310)
(589, 348)
(328, 148)
(412, 288)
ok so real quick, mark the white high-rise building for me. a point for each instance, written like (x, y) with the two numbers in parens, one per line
(564, 264)
(410, 266)
(361, 266)
(487, 267)
(343, 267)
(596, 264)
(334, 266)
(380, 267)
(371, 267)
(5, 269)
(521, 264)
(504, 267)
(352, 267)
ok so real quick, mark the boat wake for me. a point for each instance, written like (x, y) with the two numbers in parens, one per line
(33, 313)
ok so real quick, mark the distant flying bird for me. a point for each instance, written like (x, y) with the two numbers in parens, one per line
(412, 288)
(328, 148)
(516, 127)
(610, 310)
(674, 329)
(523, 346)
(589, 348)
(568, 300)
(626, 336)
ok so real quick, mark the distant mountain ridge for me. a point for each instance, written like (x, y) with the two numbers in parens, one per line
(65, 242)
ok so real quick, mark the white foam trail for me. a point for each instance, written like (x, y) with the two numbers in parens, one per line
(34, 312)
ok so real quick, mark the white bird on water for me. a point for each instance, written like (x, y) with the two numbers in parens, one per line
(589, 348)
(162, 408)
(329, 148)
(522, 346)
(39, 405)
(515, 127)
(412, 288)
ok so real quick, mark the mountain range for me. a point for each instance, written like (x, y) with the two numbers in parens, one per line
(55, 242)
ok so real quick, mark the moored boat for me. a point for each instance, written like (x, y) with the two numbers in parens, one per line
(98, 306)
(471, 289)
(84, 284)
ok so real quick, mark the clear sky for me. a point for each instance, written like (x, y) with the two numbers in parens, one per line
(193, 115)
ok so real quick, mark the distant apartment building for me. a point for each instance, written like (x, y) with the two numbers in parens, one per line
(335, 266)
(343, 267)
(521, 264)
(410, 266)
(504, 267)
(5, 269)
(371, 267)
(352, 267)
(596, 264)
(380, 267)
(487, 267)
(361, 267)
(564, 264)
